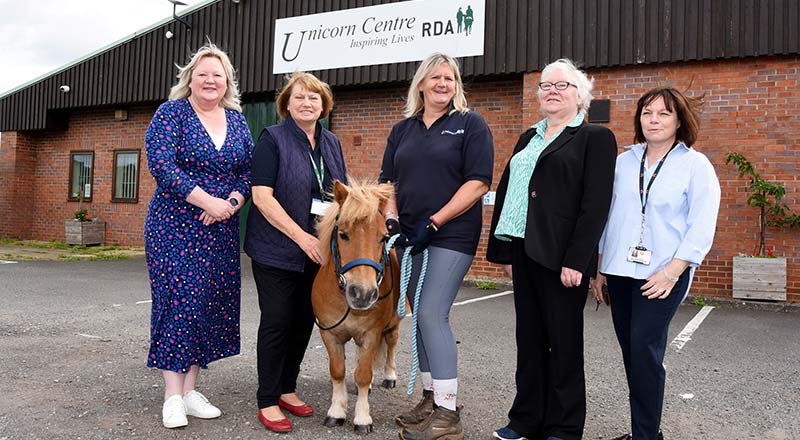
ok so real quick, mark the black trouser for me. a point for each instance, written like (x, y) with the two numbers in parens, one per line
(287, 320)
(642, 327)
(551, 388)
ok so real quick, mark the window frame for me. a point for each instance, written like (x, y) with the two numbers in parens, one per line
(72, 155)
(114, 198)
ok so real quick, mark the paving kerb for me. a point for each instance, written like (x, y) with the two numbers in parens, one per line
(13, 252)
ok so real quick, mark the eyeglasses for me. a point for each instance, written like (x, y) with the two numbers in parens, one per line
(561, 85)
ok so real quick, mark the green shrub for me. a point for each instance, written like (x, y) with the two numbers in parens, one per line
(487, 285)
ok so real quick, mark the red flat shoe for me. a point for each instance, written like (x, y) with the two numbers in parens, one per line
(282, 425)
(304, 410)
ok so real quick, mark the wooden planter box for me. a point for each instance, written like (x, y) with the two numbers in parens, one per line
(85, 233)
(759, 278)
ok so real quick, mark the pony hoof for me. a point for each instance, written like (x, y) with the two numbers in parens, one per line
(331, 422)
(363, 429)
(387, 383)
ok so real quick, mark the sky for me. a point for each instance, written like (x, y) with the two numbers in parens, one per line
(39, 36)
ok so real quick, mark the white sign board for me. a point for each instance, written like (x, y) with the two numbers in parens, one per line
(391, 33)
(488, 198)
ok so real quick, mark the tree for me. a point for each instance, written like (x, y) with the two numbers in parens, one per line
(767, 197)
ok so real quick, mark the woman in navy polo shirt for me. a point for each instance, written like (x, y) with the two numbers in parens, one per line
(440, 159)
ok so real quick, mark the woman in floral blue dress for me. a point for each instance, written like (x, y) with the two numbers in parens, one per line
(199, 151)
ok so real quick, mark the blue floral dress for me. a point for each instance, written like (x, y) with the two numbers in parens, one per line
(195, 274)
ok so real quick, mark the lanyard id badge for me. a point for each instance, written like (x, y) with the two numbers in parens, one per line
(319, 207)
(639, 254)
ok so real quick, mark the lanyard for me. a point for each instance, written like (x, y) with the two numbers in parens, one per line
(319, 173)
(644, 193)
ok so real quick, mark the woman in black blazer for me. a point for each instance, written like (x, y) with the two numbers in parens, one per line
(552, 203)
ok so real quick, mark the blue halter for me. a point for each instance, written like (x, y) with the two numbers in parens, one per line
(341, 270)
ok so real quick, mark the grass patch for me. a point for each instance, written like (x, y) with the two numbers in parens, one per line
(93, 257)
(487, 285)
(14, 257)
(35, 243)
(56, 250)
(699, 301)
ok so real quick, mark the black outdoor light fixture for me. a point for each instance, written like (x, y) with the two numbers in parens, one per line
(175, 4)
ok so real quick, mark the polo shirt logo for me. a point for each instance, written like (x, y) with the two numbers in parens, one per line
(453, 133)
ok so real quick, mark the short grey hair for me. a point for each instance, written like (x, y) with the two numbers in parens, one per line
(414, 101)
(181, 90)
(584, 84)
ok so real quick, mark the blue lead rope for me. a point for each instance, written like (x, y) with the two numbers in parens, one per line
(405, 278)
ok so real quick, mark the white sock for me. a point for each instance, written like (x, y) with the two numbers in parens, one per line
(427, 381)
(445, 392)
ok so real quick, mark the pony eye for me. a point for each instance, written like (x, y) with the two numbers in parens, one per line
(344, 236)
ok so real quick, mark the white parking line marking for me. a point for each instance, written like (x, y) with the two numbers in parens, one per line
(144, 302)
(686, 335)
(482, 298)
(88, 336)
(7, 262)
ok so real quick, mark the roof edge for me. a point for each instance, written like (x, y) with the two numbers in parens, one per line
(109, 46)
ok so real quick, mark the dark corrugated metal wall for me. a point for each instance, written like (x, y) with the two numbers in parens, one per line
(521, 36)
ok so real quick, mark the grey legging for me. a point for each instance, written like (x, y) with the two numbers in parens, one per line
(435, 342)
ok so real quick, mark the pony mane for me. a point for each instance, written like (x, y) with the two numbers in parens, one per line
(364, 199)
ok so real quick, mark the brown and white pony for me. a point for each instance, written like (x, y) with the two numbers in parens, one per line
(355, 294)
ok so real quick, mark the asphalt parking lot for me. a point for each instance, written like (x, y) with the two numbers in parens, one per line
(74, 338)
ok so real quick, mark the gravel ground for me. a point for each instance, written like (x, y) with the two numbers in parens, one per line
(73, 342)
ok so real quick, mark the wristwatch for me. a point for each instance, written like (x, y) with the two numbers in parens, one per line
(233, 201)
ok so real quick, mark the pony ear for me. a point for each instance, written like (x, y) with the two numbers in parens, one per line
(339, 192)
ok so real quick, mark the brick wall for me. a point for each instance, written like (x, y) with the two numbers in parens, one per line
(8, 179)
(752, 107)
(17, 166)
(42, 161)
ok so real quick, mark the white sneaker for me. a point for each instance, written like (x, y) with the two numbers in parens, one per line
(174, 412)
(198, 406)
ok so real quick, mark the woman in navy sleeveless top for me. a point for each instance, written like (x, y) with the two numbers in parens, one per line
(294, 163)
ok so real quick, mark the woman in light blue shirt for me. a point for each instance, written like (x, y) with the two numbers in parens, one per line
(660, 227)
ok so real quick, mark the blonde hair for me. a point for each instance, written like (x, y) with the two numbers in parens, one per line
(310, 83)
(583, 83)
(415, 101)
(364, 200)
(181, 90)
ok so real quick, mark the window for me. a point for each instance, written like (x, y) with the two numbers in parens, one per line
(126, 177)
(80, 175)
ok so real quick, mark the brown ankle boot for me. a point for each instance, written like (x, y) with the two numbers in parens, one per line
(443, 424)
(417, 414)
